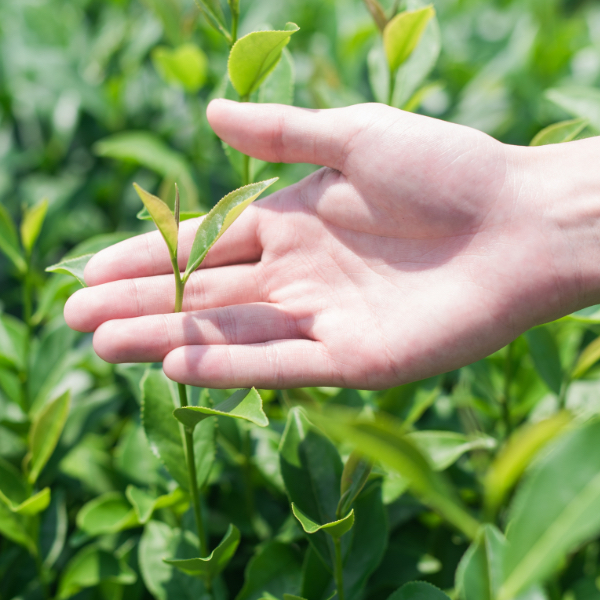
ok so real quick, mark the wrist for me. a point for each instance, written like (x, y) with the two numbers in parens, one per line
(560, 197)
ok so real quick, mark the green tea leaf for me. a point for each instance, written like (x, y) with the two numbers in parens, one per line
(381, 440)
(336, 529)
(72, 266)
(53, 530)
(354, 476)
(13, 490)
(214, 15)
(211, 566)
(164, 433)
(254, 56)
(418, 590)
(108, 513)
(566, 131)
(516, 456)
(545, 525)
(31, 225)
(311, 468)
(9, 242)
(403, 33)
(45, 432)
(278, 87)
(480, 572)
(163, 218)
(184, 215)
(579, 101)
(90, 567)
(217, 221)
(587, 359)
(36, 504)
(185, 66)
(275, 568)
(145, 504)
(162, 580)
(13, 527)
(244, 404)
(544, 352)
(148, 150)
(444, 448)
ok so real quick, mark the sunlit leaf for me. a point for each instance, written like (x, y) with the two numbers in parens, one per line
(144, 504)
(403, 33)
(222, 215)
(90, 567)
(516, 455)
(566, 131)
(72, 266)
(185, 66)
(335, 529)
(544, 352)
(244, 404)
(9, 242)
(162, 216)
(444, 448)
(31, 225)
(554, 511)
(35, 504)
(354, 476)
(381, 440)
(480, 572)
(108, 513)
(184, 215)
(587, 359)
(208, 568)
(254, 56)
(45, 433)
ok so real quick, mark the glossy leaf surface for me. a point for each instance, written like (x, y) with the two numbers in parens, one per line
(254, 56)
(221, 216)
(403, 33)
(45, 432)
(108, 513)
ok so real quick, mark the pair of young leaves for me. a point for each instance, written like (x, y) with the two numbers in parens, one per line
(213, 226)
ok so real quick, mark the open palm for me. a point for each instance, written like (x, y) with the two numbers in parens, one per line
(411, 253)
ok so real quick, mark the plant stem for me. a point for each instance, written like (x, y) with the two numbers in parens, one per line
(191, 466)
(189, 435)
(339, 570)
(392, 87)
(235, 17)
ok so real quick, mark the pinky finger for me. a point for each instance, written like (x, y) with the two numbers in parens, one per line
(272, 365)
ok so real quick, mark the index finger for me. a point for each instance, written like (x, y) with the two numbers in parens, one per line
(146, 255)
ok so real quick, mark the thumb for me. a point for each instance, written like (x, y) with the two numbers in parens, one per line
(280, 133)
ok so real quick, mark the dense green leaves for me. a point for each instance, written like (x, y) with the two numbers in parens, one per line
(90, 567)
(581, 102)
(254, 56)
(46, 429)
(354, 476)
(243, 404)
(219, 219)
(402, 34)
(9, 242)
(211, 566)
(546, 359)
(544, 524)
(381, 440)
(106, 514)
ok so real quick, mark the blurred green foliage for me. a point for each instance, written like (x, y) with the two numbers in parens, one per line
(95, 94)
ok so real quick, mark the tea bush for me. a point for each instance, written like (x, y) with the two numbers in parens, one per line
(479, 484)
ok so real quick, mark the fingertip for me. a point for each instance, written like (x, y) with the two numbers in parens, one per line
(104, 342)
(173, 365)
(75, 312)
(93, 273)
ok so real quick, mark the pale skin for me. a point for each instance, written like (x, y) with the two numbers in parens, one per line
(420, 247)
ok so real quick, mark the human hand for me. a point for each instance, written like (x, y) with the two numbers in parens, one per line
(421, 247)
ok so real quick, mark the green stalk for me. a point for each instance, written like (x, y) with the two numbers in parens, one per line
(339, 569)
(235, 17)
(189, 435)
(392, 87)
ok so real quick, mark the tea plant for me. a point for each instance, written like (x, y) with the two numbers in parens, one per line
(114, 483)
